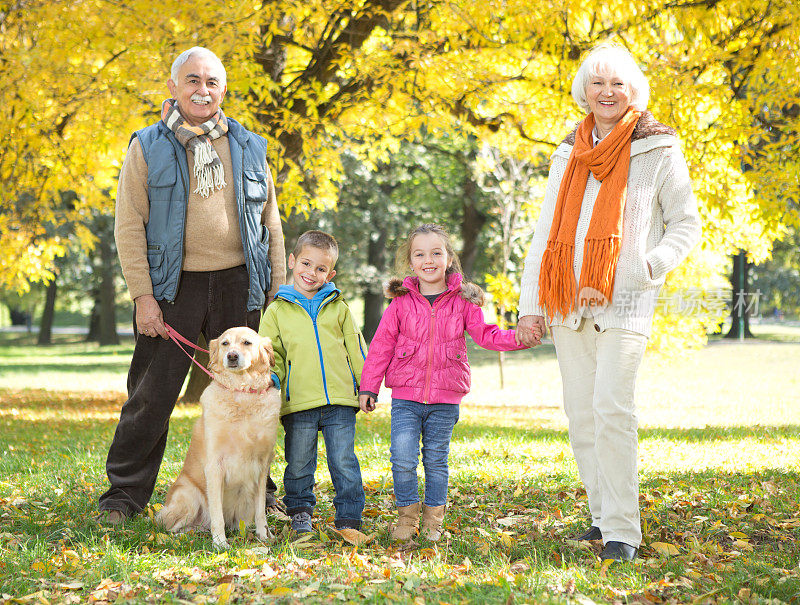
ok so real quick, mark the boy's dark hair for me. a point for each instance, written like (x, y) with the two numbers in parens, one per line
(320, 240)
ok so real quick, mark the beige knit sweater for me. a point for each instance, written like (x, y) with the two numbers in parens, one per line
(212, 240)
(660, 226)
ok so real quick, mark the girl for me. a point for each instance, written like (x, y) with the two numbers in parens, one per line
(420, 349)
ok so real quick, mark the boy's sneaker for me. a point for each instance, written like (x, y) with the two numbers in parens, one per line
(301, 522)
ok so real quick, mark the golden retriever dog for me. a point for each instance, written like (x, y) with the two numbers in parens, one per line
(224, 476)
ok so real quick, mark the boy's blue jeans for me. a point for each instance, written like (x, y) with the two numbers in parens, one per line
(338, 426)
(434, 423)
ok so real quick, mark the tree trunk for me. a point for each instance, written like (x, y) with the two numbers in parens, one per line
(373, 301)
(501, 358)
(198, 379)
(94, 317)
(46, 324)
(472, 222)
(19, 317)
(740, 298)
(107, 297)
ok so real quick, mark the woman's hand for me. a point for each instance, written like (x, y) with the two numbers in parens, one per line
(530, 330)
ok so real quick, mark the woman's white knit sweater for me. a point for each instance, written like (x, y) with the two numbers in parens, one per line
(660, 227)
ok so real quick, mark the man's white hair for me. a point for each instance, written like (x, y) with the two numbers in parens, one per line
(606, 59)
(184, 57)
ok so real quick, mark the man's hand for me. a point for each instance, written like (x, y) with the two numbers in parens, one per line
(149, 320)
(366, 403)
(530, 330)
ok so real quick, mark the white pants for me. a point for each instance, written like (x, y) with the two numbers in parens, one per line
(598, 371)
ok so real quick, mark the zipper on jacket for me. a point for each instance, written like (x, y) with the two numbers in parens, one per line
(361, 347)
(352, 375)
(426, 392)
(321, 361)
(288, 375)
(319, 347)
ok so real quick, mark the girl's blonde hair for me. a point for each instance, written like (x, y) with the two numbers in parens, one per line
(403, 259)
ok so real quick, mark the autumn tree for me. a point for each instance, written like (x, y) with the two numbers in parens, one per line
(321, 76)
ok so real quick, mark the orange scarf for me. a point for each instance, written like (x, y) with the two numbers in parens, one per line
(609, 163)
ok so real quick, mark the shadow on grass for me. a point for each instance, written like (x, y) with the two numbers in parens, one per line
(57, 366)
(40, 354)
(61, 345)
(467, 429)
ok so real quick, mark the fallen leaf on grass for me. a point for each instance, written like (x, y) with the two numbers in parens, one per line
(664, 549)
(34, 597)
(281, 591)
(224, 592)
(353, 536)
(579, 545)
(304, 541)
(513, 520)
(276, 512)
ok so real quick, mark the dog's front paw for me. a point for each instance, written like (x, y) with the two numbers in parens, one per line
(265, 536)
(220, 542)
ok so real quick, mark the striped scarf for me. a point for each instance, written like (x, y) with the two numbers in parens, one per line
(207, 166)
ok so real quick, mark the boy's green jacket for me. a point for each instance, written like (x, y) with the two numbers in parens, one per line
(319, 351)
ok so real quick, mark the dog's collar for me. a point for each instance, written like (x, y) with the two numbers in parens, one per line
(249, 390)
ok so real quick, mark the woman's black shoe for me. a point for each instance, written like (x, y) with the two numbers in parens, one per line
(593, 533)
(618, 551)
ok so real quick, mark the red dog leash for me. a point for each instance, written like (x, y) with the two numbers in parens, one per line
(177, 338)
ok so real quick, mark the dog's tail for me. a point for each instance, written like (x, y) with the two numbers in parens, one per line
(184, 508)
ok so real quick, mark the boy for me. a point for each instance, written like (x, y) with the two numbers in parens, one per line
(319, 353)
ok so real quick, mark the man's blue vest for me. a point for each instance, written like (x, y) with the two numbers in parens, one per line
(168, 191)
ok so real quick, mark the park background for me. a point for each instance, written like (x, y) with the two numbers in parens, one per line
(381, 114)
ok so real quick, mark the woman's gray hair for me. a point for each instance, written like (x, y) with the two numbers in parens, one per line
(605, 59)
(184, 57)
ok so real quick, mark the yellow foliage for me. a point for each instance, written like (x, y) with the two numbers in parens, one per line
(315, 77)
(504, 293)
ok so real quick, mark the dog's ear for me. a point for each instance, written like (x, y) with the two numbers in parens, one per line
(266, 352)
(213, 356)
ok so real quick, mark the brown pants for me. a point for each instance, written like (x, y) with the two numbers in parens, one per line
(208, 302)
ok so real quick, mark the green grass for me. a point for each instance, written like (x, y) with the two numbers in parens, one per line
(720, 482)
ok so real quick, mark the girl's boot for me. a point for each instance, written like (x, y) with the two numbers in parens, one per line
(407, 522)
(432, 522)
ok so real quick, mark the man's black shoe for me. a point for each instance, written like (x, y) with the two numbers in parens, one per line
(618, 551)
(593, 533)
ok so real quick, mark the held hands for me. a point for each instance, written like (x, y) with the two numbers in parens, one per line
(149, 320)
(530, 330)
(366, 403)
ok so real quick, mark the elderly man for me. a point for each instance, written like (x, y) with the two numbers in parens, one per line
(201, 248)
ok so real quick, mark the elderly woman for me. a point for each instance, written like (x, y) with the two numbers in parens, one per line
(618, 214)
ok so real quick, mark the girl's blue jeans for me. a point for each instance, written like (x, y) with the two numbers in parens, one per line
(433, 423)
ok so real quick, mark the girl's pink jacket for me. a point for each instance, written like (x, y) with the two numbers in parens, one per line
(421, 350)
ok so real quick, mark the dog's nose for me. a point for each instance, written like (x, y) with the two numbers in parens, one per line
(233, 356)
